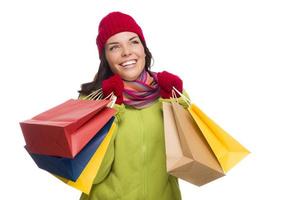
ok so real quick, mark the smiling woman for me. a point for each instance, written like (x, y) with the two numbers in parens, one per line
(125, 55)
(134, 166)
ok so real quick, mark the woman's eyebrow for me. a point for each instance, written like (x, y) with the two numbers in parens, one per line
(133, 38)
(113, 43)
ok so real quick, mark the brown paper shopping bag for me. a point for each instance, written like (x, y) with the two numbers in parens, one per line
(189, 156)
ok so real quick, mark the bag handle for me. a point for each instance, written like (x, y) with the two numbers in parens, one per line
(113, 99)
(187, 101)
(98, 95)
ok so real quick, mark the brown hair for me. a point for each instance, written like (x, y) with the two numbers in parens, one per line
(105, 72)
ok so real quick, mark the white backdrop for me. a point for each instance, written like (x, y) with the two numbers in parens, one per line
(231, 55)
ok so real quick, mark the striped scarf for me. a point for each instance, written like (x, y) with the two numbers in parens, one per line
(142, 92)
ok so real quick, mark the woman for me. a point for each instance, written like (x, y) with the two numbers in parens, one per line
(134, 166)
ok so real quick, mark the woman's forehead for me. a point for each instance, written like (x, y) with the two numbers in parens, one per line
(121, 37)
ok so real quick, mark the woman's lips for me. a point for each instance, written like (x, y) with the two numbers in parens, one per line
(129, 63)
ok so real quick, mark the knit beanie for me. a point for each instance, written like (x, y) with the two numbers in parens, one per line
(113, 23)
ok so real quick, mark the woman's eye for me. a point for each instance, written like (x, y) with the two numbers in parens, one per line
(113, 47)
(135, 42)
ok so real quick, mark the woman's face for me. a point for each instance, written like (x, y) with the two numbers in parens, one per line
(125, 55)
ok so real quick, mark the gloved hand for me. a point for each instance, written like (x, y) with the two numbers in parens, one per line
(166, 83)
(113, 84)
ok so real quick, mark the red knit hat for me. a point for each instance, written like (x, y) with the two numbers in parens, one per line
(116, 22)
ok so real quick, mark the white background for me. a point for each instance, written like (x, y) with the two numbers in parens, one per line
(232, 56)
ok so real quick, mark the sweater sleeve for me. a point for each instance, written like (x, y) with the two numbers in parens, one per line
(108, 159)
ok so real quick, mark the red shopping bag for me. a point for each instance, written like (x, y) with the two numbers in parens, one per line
(65, 129)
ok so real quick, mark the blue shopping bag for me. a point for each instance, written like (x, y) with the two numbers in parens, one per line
(71, 168)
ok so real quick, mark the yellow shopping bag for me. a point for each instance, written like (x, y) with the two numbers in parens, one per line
(227, 150)
(86, 178)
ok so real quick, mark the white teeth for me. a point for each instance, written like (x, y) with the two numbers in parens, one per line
(130, 62)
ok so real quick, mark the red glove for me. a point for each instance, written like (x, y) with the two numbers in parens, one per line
(166, 83)
(113, 84)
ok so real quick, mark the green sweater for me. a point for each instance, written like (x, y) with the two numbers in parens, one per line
(134, 166)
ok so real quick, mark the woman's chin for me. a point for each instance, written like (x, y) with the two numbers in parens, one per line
(129, 78)
(130, 75)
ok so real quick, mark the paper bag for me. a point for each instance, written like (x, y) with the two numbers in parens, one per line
(71, 168)
(65, 129)
(85, 181)
(227, 150)
(189, 156)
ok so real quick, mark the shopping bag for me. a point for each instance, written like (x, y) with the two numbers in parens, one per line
(227, 150)
(85, 180)
(65, 129)
(71, 168)
(188, 155)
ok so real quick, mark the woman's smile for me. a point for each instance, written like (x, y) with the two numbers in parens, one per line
(129, 64)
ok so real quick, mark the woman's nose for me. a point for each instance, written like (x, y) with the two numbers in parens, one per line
(126, 51)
